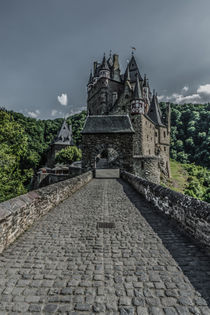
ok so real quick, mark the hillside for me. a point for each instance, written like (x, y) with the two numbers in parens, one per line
(190, 133)
(24, 142)
(189, 179)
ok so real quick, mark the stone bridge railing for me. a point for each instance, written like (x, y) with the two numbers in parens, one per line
(17, 214)
(191, 215)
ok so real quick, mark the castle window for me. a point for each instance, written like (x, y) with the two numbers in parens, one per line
(164, 148)
(149, 152)
(155, 134)
(123, 107)
(164, 134)
(142, 165)
(114, 97)
(147, 137)
(151, 138)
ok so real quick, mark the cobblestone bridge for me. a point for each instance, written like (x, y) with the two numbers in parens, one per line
(66, 263)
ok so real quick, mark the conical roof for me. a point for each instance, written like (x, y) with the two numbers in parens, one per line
(127, 74)
(65, 135)
(110, 60)
(134, 70)
(104, 64)
(137, 94)
(154, 111)
(145, 83)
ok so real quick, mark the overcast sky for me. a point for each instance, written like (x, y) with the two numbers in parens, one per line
(48, 46)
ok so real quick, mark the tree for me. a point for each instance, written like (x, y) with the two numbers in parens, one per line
(13, 149)
(68, 155)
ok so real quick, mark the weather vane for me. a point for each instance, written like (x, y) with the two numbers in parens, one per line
(133, 48)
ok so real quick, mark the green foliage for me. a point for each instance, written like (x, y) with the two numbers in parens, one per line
(190, 133)
(13, 151)
(198, 182)
(23, 148)
(68, 155)
(190, 179)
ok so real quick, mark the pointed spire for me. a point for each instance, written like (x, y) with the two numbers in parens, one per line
(90, 77)
(145, 83)
(127, 74)
(65, 134)
(154, 111)
(137, 90)
(110, 60)
(104, 65)
(134, 70)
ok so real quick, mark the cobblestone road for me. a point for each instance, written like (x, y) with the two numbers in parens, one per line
(65, 264)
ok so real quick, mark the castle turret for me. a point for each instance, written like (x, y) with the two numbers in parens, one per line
(134, 70)
(154, 112)
(63, 140)
(110, 60)
(137, 104)
(90, 81)
(116, 68)
(104, 68)
(146, 91)
(127, 74)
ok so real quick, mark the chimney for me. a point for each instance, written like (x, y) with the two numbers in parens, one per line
(116, 62)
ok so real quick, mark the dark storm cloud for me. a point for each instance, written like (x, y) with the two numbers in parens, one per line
(48, 46)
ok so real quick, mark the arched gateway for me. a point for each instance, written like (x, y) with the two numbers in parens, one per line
(107, 138)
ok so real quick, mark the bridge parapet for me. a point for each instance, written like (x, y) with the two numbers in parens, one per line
(17, 214)
(192, 215)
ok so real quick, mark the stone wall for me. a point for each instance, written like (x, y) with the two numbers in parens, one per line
(17, 214)
(94, 144)
(190, 214)
(147, 167)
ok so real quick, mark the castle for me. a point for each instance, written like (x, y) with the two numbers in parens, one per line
(124, 122)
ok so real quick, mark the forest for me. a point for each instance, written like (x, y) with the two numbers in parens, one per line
(24, 143)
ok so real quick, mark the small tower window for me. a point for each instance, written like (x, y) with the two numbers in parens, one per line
(164, 148)
(142, 165)
(149, 152)
(164, 133)
(155, 134)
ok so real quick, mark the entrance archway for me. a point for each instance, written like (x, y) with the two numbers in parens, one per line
(107, 163)
(107, 158)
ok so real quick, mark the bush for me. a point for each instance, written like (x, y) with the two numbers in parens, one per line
(68, 155)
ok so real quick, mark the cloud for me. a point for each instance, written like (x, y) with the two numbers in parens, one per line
(53, 112)
(201, 96)
(204, 89)
(63, 99)
(181, 99)
(185, 88)
(34, 114)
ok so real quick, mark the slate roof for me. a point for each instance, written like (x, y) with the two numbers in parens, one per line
(137, 90)
(65, 135)
(154, 112)
(134, 70)
(108, 124)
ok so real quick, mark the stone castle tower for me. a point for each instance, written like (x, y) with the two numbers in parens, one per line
(125, 122)
(62, 140)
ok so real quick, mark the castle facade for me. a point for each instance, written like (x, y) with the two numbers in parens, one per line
(124, 122)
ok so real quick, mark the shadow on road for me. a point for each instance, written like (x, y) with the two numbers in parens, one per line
(193, 261)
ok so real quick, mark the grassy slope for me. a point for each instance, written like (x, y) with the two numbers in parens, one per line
(179, 176)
